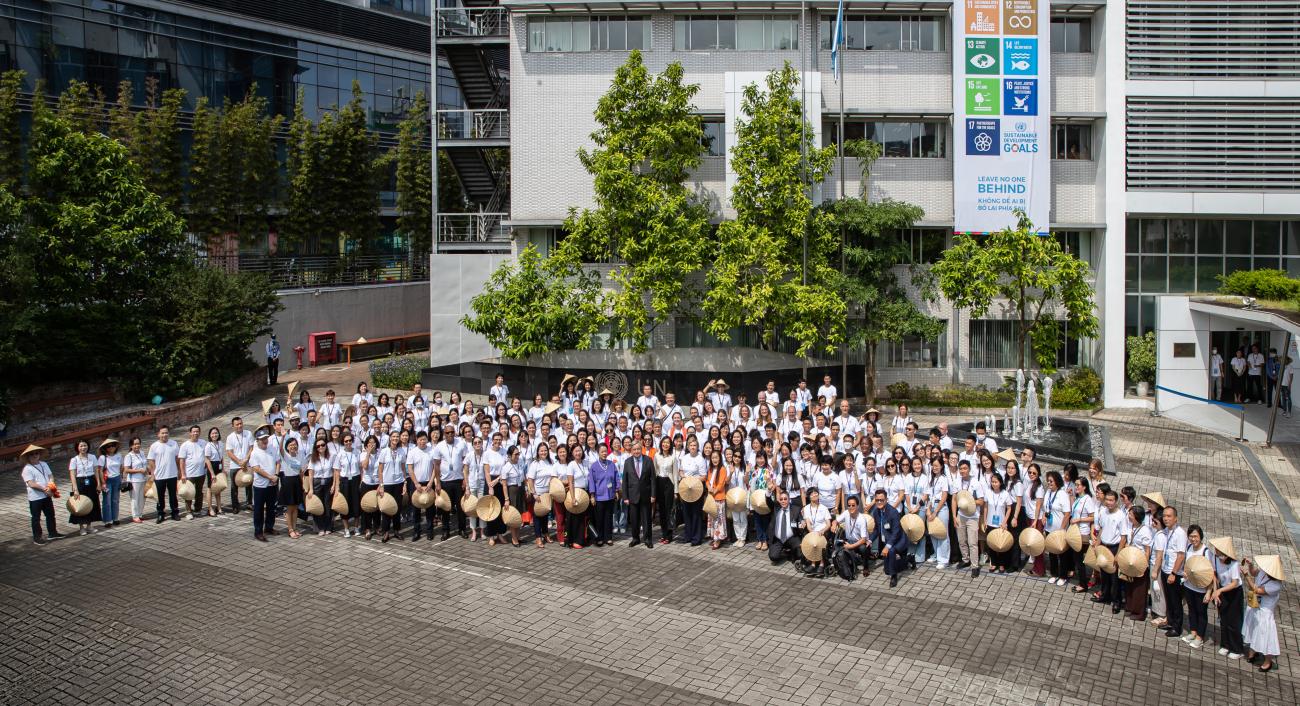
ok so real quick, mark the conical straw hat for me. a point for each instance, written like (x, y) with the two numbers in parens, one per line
(185, 490)
(999, 540)
(442, 501)
(1090, 557)
(812, 545)
(1055, 542)
(913, 526)
(1155, 497)
(1271, 564)
(1224, 546)
(30, 448)
(80, 505)
(710, 506)
(556, 489)
(1132, 561)
(422, 498)
(578, 503)
(151, 491)
(314, 505)
(897, 439)
(690, 488)
(388, 504)
(370, 501)
(219, 483)
(511, 517)
(1074, 540)
(244, 479)
(965, 502)
(871, 524)
(758, 499)
(110, 441)
(737, 500)
(468, 502)
(542, 505)
(937, 528)
(1105, 559)
(488, 508)
(1199, 571)
(1031, 541)
(339, 504)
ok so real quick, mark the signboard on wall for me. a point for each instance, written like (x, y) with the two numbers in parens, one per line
(1001, 114)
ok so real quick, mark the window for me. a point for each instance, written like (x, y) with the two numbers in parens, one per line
(744, 32)
(595, 33)
(1071, 35)
(1071, 141)
(993, 345)
(887, 32)
(715, 139)
(925, 245)
(897, 139)
(915, 352)
(1076, 242)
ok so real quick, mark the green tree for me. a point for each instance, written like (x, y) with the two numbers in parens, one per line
(762, 277)
(207, 197)
(157, 144)
(646, 219)
(537, 305)
(1037, 278)
(233, 168)
(20, 325)
(414, 182)
(121, 117)
(302, 219)
(11, 134)
(79, 107)
(880, 308)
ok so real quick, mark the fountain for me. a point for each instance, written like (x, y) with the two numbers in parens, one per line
(1047, 404)
(1032, 411)
(1020, 387)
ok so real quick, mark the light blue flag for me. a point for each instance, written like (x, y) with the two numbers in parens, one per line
(837, 40)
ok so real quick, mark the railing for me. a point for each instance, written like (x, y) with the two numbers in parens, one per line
(474, 124)
(473, 228)
(301, 271)
(473, 22)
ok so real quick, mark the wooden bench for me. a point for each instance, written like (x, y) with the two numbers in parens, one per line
(93, 434)
(400, 340)
(48, 404)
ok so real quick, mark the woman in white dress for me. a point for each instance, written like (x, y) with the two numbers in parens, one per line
(1264, 577)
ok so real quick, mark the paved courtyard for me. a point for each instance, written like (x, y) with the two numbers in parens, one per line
(197, 612)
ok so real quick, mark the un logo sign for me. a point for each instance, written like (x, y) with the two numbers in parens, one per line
(612, 380)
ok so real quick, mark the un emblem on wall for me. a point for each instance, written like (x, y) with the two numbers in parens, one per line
(612, 380)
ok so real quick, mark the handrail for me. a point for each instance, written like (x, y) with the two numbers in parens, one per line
(474, 124)
(472, 22)
(302, 271)
(472, 228)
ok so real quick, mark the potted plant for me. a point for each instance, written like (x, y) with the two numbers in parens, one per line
(1142, 362)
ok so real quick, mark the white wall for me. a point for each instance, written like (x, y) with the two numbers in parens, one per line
(1179, 324)
(352, 312)
(456, 280)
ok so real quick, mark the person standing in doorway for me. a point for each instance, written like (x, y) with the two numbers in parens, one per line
(272, 360)
(1288, 375)
(1237, 382)
(1255, 375)
(1271, 370)
(1216, 375)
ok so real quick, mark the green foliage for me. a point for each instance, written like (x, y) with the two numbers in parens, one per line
(156, 144)
(233, 168)
(645, 219)
(537, 305)
(898, 390)
(1032, 273)
(397, 372)
(1083, 380)
(1141, 362)
(1263, 284)
(759, 278)
(11, 135)
(78, 106)
(414, 182)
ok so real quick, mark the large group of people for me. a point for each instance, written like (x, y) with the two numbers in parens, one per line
(803, 480)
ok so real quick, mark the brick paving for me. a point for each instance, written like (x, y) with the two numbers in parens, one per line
(196, 612)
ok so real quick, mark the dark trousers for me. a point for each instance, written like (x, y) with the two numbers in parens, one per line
(454, 490)
(321, 488)
(778, 550)
(1136, 602)
(1173, 601)
(639, 519)
(1197, 618)
(575, 528)
(1254, 388)
(604, 520)
(264, 509)
(1110, 588)
(1059, 564)
(197, 503)
(426, 514)
(393, 523)
(272, 370)
(896, 561)
(693, 514)
(954, 548)
(166, 490)
(369, 520)
(44, 506)
(1081, 570)
(664, 497)
(540, 523)
(1230, 617)
(234, 488)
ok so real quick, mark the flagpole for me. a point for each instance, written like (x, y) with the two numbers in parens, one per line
(837, 37)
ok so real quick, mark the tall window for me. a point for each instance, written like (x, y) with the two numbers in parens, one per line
(743, 32)
(715, 137)
(915, 352)
(898, 139)
(993, 345)
(1071, 141)
(1071, 35)
(594, 33)
(924, 245)
(888, 32)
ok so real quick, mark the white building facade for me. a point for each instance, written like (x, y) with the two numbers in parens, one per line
(1174, 151)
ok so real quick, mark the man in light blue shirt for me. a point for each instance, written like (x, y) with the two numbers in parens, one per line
(272, 360)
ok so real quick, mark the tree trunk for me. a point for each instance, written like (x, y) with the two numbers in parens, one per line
(870, 372)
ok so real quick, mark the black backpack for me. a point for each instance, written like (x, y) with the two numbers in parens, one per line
(844, 564)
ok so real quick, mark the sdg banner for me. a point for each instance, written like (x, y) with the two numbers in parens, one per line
(1001, 114)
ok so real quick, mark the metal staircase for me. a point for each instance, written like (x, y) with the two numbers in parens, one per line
(474, 38)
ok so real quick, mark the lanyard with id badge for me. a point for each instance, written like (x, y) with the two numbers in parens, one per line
(1051, 509)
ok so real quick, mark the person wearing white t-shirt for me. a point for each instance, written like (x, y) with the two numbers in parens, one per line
(1288, 377)
(449, 475)
(263, 466)
(1111, 531)
(419, 468)
(1255, 375)
(1216, 374)
(193, 460)
(816, 519)
(162, 466)
(998, 504)
(967, 524)
(827, 392)
(1171, 571)
(330, 413)
(39, 481)
(853, 522)
(239, 448)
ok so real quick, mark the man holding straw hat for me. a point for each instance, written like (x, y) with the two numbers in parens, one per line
(263, 467)
(41, 491)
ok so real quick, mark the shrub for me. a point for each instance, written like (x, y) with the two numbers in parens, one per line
(397, 372)
(1064, 397)
(1083, 380)
(1142, 358)
(898, 390)
(1264, 284)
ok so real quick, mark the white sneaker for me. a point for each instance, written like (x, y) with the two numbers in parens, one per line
(1223, 652)
(1187, 638)
(1196, 644)
(189, 515)
(942, 565)
(1233, 655)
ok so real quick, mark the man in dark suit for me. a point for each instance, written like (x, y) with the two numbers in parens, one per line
(638, 494)
(889, 532)
(784, 534)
